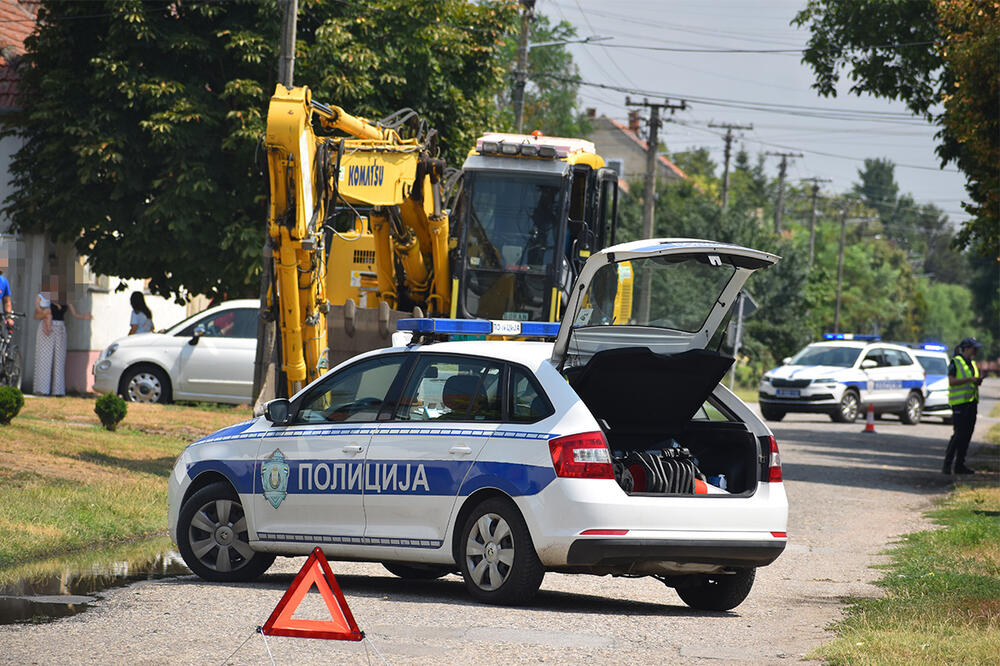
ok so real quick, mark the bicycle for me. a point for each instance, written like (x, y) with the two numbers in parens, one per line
(10, 354)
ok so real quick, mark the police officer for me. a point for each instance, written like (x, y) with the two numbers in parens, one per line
(963, 396)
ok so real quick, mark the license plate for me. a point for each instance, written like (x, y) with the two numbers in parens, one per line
(788, 393)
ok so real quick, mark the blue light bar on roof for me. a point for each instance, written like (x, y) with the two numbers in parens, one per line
(531, 329)
(851, 336)
(933, 346)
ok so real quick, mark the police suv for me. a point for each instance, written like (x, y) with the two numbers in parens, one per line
(842, 376)
(934, 359)
(612, 448)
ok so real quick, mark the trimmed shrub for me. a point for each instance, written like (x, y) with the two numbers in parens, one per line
(111, 410)
(11, 402)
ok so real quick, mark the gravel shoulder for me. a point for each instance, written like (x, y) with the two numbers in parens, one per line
(850, 493)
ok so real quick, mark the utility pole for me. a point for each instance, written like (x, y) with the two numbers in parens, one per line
(729, 143)
(652, 145)
(521, 73)
(265, 366)
(782, 170)
(812, 215)
(840, 265)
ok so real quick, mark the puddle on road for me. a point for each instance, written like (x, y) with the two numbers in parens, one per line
(50, 589)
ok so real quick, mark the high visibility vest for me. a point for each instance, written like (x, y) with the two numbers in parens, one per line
(963, 393)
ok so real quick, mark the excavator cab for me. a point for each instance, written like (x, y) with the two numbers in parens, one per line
(530, 212)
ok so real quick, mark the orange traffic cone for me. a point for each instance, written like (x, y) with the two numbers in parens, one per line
(870, 420)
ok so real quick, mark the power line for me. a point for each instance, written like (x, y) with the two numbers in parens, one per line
(894, 117)
(674, 49)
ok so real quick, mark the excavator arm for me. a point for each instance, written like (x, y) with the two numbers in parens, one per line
(398, 247)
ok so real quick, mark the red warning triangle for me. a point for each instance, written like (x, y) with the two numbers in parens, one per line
(341, 625)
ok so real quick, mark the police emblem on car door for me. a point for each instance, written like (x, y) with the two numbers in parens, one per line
(274, 478)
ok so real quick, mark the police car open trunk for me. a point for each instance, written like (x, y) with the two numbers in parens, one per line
(633, 345)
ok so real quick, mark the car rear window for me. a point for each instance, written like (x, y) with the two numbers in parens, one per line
(933, 365)
(528, 402)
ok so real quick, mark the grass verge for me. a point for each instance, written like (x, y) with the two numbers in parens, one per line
(67, 484)
(942, 590)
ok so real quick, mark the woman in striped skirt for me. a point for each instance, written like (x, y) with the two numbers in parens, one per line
(50, 340)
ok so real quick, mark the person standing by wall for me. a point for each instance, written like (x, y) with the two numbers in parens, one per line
(5, 302)
(142, 318)
(963, 396)
(50, 340)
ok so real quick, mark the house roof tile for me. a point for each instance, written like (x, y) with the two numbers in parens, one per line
(645, 147)
(17, 21)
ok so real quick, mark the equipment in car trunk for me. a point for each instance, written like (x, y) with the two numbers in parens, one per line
(669, 471)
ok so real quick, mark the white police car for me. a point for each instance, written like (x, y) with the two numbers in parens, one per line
(613, 449)
(934, 359)
(841, 377)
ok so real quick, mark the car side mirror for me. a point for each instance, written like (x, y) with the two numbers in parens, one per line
(198, 331)
(868, 363)
(278, 411)
(787, 360)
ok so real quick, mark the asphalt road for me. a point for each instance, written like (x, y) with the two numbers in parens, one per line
(850, 494)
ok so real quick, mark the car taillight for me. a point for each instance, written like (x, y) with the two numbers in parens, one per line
(583, 456)
(774, 464)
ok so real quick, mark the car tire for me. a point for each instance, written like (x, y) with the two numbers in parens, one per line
(212, 537)
(417, 571)
(145, 383)
(912, 409)
(496, 555)
(848, 409)
(717, 592)
(771, 413)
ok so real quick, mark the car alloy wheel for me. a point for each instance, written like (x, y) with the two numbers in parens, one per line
(497, 556)
(144, 387)
(489, 552)
(847, 411)
(912, 410)
(213, 537)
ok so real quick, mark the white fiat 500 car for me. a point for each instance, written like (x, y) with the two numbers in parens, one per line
(207, 357)
(613, 449)
(841, 377)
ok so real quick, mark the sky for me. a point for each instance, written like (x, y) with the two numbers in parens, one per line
(834, 135)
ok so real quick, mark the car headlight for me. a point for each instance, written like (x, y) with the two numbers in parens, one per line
(766, 379)
(825, 380)
(110, 350)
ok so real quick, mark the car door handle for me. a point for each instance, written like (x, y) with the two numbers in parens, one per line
(460, 449)
(356, 448)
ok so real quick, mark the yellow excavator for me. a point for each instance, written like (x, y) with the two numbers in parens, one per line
(366, 225)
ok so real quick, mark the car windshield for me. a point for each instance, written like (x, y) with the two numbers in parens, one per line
(933, 365)
(513, 222)
(675, 292)
(843, 357)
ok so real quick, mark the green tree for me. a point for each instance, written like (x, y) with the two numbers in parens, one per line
(551, 104)
(878, 188)
(950, 316)
(685, 209)
(141, 120)
(924, 52)
(922, 230)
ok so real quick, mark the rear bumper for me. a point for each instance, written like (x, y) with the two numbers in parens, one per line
(624, 552)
